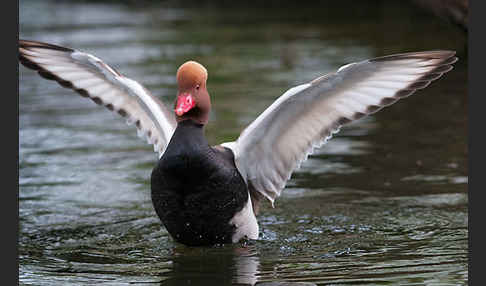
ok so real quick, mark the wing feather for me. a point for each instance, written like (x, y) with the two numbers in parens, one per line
(92, 78)
(306, 116)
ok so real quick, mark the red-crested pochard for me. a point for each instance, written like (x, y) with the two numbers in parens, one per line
(210, 194)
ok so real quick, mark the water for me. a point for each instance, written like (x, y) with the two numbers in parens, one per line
(384, 202)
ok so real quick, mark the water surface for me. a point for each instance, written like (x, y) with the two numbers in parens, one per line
(384, 202)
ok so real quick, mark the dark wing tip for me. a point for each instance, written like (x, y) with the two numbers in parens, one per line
(44, 73)
(26, 44)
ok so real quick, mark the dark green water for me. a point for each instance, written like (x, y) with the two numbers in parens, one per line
(384, 202)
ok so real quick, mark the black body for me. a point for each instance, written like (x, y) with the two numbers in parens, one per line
(196, 188)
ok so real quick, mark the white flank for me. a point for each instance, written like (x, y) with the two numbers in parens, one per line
(245, 223)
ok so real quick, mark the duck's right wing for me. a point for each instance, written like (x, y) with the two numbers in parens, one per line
(92, 78)
(306, 116)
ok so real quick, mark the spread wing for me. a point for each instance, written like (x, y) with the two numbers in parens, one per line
(306, 116)
(92, 78)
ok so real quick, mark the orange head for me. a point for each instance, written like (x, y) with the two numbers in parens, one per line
(192, 96)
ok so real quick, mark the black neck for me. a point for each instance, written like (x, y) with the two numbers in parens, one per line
(189, 133)
(190, 123)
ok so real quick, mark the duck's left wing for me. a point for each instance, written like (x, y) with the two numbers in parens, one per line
(306, 116)
(91, 77)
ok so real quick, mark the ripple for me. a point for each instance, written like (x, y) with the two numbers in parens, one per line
(441, 179)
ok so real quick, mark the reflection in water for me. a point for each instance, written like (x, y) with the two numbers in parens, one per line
(384, 202)
(213, 266)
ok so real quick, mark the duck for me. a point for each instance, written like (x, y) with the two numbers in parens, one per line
(208, 195)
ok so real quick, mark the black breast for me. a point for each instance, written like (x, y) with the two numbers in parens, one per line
(196, 189)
